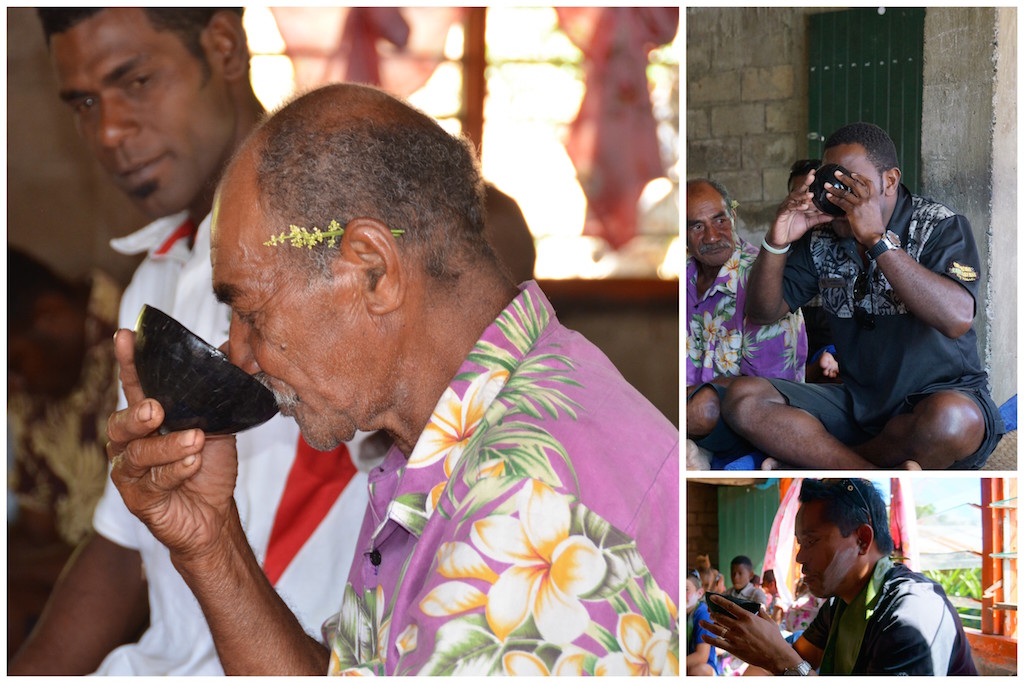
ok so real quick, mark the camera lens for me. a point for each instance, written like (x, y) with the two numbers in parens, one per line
(827, 174)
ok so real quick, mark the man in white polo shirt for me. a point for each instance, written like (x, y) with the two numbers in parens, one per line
(162, 98)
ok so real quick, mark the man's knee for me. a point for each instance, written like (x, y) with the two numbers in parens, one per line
(702, 412)
(950, 423)
(745, 399)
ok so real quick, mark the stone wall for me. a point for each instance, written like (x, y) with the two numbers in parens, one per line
(746, 104)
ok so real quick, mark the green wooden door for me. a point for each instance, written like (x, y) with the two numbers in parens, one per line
(745, 516)
(866, 66)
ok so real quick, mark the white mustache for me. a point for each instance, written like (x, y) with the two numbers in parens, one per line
(284, 401)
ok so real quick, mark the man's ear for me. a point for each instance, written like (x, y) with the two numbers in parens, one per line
(225, 45)
(369, 246)
(891, 181)
(865, 537)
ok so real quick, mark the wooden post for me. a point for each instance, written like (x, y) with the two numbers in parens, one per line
(474, 83)
(991, 568)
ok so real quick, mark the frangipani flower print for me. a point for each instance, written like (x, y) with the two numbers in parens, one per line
(721, 341)
(454, 420)
(489, 555)
(549, 569)
(727, 351)
(519, 663)
(731, 269)
(644, 652)
(452, 424)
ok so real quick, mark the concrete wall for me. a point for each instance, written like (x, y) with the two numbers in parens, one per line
(746, 114)
(970, 77)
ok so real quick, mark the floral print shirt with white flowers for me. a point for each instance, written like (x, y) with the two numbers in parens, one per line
(720, 342)
(533, 530)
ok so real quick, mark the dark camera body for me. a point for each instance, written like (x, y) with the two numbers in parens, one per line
(751, 606)
(827, 174)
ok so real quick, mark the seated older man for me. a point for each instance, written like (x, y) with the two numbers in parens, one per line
(721, 343)
(525, 521)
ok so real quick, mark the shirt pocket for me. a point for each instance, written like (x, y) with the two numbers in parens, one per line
(836, 287)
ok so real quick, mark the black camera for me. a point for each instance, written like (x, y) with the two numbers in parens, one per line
(827, 174)
(751, 606)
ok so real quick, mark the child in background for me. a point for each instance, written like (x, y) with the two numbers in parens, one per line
(742, 570)
(799, 613)
(700, 656)
(770, 589)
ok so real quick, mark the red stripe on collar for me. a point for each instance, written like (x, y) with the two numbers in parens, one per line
(186, 229)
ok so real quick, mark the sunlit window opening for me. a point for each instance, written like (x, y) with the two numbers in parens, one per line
(535, 82)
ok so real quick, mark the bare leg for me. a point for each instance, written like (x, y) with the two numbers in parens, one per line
(703, 669)
(942, 429)
(759, 413)
(702, 412)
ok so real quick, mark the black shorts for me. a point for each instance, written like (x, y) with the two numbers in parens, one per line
(833, 406)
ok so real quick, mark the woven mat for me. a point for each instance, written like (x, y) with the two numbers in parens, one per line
(1004, 457)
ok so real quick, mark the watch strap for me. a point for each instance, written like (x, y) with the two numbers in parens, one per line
(881, 246)
(801, 669)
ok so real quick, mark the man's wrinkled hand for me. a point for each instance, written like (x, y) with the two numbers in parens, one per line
(180, 484)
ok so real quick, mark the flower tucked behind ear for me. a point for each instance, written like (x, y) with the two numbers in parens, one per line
(301, 237)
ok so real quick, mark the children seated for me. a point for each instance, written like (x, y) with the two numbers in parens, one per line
(700, 657)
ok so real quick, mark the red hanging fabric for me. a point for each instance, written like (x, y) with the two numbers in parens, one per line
(613, 142)
(396, 48)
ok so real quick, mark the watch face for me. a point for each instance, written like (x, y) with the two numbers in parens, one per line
(893, 237)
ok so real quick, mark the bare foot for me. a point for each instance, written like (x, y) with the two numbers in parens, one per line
(771, 464)
(911, 465)
(697, 458)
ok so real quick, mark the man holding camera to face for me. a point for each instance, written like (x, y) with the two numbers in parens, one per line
(879, 617)
(898, 277)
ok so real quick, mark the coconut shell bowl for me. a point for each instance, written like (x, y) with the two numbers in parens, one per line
(198, 387)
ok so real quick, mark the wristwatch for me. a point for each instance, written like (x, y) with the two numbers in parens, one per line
(890, 240)
(801, 669)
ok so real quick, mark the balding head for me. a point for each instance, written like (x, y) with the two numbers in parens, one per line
(348, 151)
(365, 331)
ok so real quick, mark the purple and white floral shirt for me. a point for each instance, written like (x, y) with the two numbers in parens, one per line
(719, 340)
(534, 528)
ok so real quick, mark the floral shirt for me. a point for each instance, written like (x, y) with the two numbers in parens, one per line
(719, 340)
(534, 529)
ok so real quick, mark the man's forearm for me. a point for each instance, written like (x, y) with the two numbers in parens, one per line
(99, 603)
(254, 631)
(765, 303)
(934, 299)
